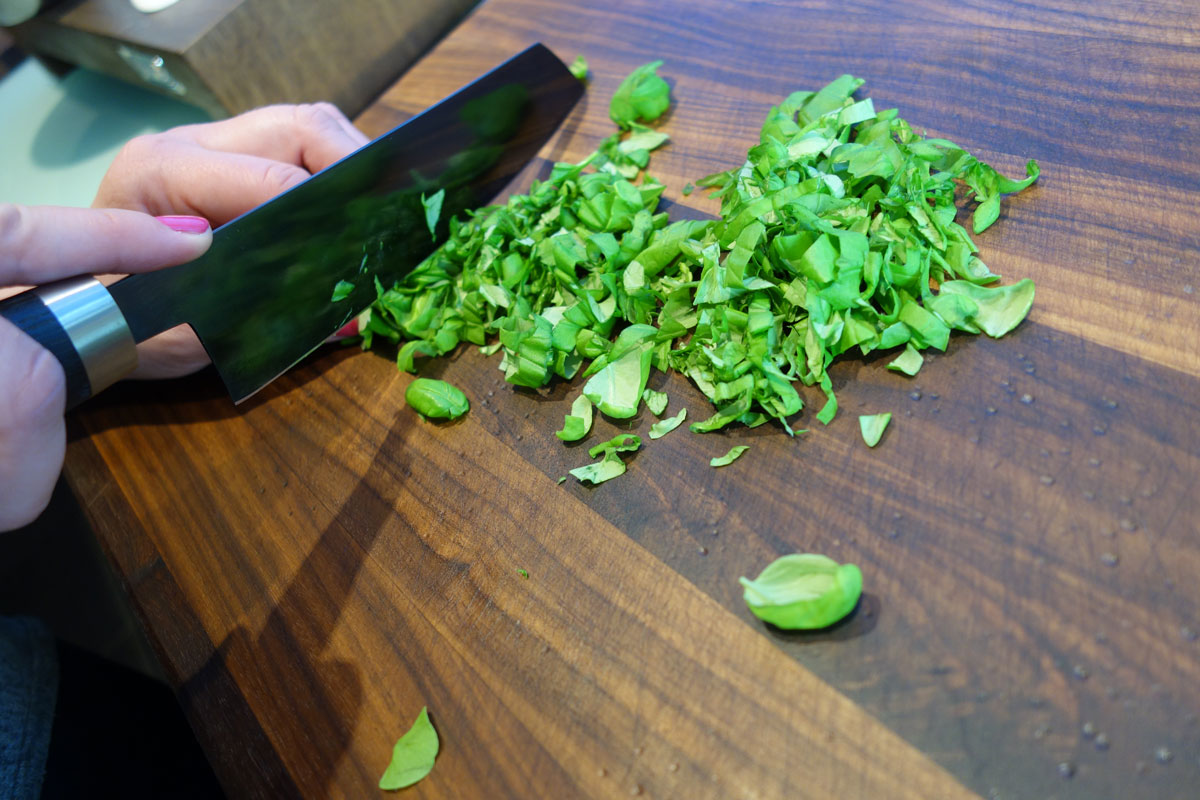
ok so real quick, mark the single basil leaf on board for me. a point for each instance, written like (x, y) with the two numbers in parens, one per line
(412, 756)
(1001, 308)
(577, 424)
(733, 455)
(341, 290)
(607, 468)
(655, 401)
(579, 68)
(436, 399)
(665, 426)
(524, 573)
(433, 210)
(803, 591)
(643, 95)
(621, 443)
(873, 426)
(909, 362)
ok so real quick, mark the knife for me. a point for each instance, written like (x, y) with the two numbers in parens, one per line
(260, 298)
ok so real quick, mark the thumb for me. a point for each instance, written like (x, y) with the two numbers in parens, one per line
(32, 433)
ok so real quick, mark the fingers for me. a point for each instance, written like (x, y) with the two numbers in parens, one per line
(165, 176)
(311, 135)
(32, 432)
(39, 244)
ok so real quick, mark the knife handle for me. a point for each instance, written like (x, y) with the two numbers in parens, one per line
(79, 322)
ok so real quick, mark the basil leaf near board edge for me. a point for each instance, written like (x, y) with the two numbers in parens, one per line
(341, 290)
(413, 755)
(579, 68)
(435, 399)
(733, 455)
(873, 426)
(433, 210)
(665, 426)
(578, 423)
(803, 591)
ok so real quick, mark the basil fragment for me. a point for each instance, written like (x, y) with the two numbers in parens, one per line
(665, 426)
(433, 210)
(577, 424)
(655, 401)
(733, 455)
(341, 290)
(436, 399)
(803, 591)
(873, 426)
(579, 68)
(643, 95)
(412, 756)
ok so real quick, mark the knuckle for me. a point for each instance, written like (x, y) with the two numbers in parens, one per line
(14, 229)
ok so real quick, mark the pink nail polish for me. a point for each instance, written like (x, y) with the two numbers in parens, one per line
(185, 224)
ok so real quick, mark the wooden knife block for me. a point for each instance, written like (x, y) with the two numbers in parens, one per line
(227, 56)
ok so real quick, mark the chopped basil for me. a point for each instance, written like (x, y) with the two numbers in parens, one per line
(436, 399)
(610, 464)
(523, 573)
(579, 68)
(873, 426)
(665, 426)
(341, 290)
(803, 591)
(733, 455)
(577, 424)
(433, 210)
(655, 401)
(413, 755)
(643, 95)
(909, 362)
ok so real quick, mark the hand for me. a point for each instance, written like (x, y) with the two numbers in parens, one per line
(215, 171)
(38, 245)
(220, 170)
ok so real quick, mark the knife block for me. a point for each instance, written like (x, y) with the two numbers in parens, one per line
(227, 56)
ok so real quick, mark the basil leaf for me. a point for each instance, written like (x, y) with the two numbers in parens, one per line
(607, 468)
(643, 95)
(655, 401)
(341, 290)
(412, 756)
(577, 424)
(803, 591)
(665, 426)
(621, 443)
(909, 362)
(436, 399)
(873, 426)
(433, 210)
(733, 455)
(1000, 308)
(579, 68)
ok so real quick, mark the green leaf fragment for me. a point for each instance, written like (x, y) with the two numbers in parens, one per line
(665, 426)
(577, 424)
(435, 399)
(909, 362)
(733, 455)
(873, 426)
(643, 95)
(433, 210)
(412, 756)
(803, 591)
(999, 308)
(610, 464)
(523, 573)
(655, 401)
(579, 68)
(341, 290)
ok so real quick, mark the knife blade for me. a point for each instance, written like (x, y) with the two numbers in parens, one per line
(260, 298)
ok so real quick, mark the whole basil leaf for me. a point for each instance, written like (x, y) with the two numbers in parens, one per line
(803, 591)
(436, 399)
(412, 756)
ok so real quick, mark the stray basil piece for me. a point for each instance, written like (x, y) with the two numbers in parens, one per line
(523, 573)
(412, 756)
(579, 68)
(803, 591)
(433, 210)
(873, 426)
(341, 290)
(655, 401)
(733, 455)
(610, 464)
(643, 95)
(436, 399)
(665, 426)
(577, 424)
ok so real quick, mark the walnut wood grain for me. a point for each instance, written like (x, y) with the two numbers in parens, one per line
(317, 565)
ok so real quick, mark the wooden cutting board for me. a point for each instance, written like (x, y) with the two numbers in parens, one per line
(318, 564)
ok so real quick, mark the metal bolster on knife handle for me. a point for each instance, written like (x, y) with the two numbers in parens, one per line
(79, 322)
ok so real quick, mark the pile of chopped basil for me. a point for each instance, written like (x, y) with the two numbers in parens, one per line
(837, 234)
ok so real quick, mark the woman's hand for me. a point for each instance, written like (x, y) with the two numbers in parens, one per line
(185, 176)
(220, 170)
(39, 245)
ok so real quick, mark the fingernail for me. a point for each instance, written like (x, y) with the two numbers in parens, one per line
(185, 224)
